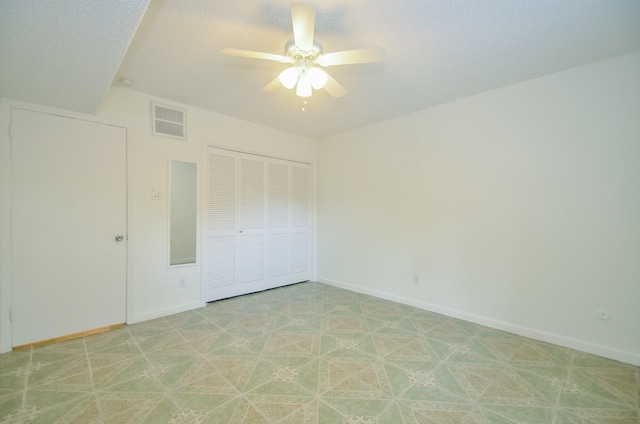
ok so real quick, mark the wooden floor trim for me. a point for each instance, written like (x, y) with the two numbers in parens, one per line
(69, 336)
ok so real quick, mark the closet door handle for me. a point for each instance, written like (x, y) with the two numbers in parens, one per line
(240, 231)
(119, 237)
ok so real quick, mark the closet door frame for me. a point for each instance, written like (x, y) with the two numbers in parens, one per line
(311, 254)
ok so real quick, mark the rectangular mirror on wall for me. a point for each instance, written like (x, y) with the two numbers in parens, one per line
(182, 212)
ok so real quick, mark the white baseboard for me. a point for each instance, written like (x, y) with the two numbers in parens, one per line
(592, 348)
(159, 313)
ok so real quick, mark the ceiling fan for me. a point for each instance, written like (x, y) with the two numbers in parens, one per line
(305, 55)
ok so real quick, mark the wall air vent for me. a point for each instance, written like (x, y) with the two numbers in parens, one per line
(168, 121)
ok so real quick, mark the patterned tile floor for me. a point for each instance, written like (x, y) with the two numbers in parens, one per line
(312, 353)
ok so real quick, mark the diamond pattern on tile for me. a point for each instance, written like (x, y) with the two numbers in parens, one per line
(381, 309)
(286, 376)
(538, 353)
(164, 341)
(344, 323)
(340, 411)
(108, 339)
(240, 343)
(595, 416)
(342, 308)
(347, 345)
(299, 322)
(72, 372)
(419, 381)
(509, 388)
(391, 325)
(301, 308)
(253, 322)
(449, 329)
(313, 354)
(620, 383)
(521, 414)
(464, 350)
(57, 406)
(131, 376)
(428, 412)
(353, 378)
(129, 407)
(185, 319)
(475, 379)
(404, 347)
(11, 407)
(547, 381)
(283, 409)
(337, 296)
(215, 375)
(600, 388)
(502, 350)
(425, 321)
(292, 344)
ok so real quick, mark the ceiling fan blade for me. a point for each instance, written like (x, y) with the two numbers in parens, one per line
(349, 57)
(334, 88)
(255, 55)
(272, 86)
(303, 18)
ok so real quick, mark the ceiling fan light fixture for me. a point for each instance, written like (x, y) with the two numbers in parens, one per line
(306, 55)
(304, 86)
(289, 77)
(318, 78)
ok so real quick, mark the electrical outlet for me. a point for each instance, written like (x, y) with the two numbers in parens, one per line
(416, 279)
(182, 283)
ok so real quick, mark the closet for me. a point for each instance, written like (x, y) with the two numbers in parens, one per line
(257, 225)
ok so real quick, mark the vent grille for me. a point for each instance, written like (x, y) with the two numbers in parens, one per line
(169, 121)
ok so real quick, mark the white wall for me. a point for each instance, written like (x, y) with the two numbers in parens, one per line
(518, 208)
(153, 286)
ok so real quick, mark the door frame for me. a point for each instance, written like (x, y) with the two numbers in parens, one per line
(205, 200)
(6, 106)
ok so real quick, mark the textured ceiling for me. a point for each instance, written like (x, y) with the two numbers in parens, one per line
(64, 53)
(437, 51)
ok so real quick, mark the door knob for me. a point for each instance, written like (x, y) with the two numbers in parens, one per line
(119, 237)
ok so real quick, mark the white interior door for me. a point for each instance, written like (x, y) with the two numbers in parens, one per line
(68, 206)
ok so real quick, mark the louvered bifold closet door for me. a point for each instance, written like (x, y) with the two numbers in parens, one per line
(251, 233)
(300, 242)
(221, 226)
(278, 217)
(259, 223)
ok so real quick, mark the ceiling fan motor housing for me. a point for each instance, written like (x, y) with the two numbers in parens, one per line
(294, 52)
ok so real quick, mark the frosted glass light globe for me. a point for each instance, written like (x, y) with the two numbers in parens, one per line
(289, 77)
